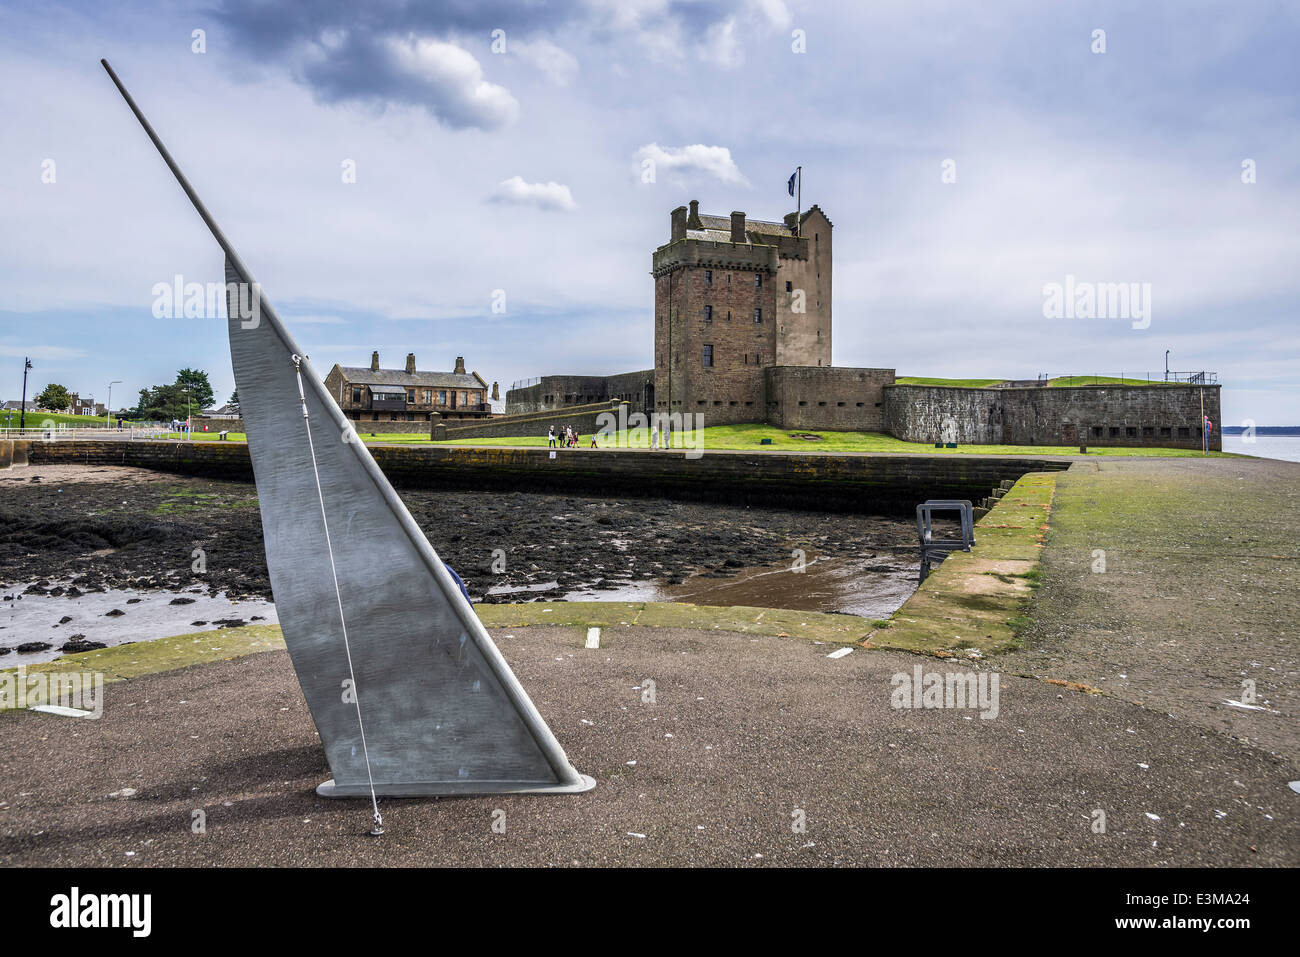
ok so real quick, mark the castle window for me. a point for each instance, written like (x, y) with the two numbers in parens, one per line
(789, 286)
(708, 277)
(1096, 431)
(758, 315)
(758, 280)
(1130, 432)
(708, 313)
(1114, 431)
(708, 354)
(1166, 432)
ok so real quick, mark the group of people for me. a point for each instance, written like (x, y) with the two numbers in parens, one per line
(567, 438)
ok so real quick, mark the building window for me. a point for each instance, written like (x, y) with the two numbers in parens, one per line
(410, 396)
(442, 397)
(758, 315)
(464, 398)
(356, 396)
(758, 280)
(708, 354)
(428, 397)
(708, 277)
(708, 313)
(789, 286)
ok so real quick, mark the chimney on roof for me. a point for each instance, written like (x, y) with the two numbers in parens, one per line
(410, 362)
(496, 392)
(374, 362)
(460, 365)
(679, 224)
(737, 227)
(693, 220)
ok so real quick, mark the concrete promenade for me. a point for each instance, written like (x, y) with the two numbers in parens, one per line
(754, 727)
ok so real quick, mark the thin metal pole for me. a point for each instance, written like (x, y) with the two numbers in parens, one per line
(180, 178)
(22, 409)
(798, 227)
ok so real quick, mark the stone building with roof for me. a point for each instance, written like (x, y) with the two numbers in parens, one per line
(375, 394)
(742, 334)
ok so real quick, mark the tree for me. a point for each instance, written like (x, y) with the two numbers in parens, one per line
(165, 402)
(201, 394)
(53, 397)
(234, 400)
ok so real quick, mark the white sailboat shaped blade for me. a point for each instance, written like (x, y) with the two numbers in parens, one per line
(405, 685)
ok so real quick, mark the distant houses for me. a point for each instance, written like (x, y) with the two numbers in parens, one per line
(376, 394)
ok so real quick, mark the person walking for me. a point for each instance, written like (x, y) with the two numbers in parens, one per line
(550, 437)
(654, 437)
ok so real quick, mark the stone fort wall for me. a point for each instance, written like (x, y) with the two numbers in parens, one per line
(1161, 416)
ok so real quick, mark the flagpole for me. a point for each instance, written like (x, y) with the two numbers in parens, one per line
(799, 202)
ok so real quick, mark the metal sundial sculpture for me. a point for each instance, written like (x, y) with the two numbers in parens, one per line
(409, 693)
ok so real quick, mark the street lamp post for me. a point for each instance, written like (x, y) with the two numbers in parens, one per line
(1166, 365)
(22, 407)
(108, 409)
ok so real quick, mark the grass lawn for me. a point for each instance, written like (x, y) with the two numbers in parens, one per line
(9, 420)
(749, 437)
(1068, 380)
(950, 383)
(1058, 382)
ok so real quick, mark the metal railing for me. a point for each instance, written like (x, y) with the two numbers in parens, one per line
(63, 433)
(525, 383)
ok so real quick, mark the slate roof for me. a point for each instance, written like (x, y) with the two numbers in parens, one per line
(758, 231)
(364, 375)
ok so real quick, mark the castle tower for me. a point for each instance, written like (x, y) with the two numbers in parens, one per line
(734, 296)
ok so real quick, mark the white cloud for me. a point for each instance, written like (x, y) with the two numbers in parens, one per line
(552, 195)
(559, 65)
(454, 79)
(712, 161)
(775, 12)
(721, 44)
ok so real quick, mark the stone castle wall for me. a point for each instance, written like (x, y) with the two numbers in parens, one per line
(1160, 416)
(839, 399)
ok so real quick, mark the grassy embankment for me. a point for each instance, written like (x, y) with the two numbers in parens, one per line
(38, 420)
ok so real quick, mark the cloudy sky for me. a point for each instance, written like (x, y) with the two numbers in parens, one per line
(389, 170)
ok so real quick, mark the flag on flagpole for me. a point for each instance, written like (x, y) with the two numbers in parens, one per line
(790, 185)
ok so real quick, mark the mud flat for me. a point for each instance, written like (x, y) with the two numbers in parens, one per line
(112, 528)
